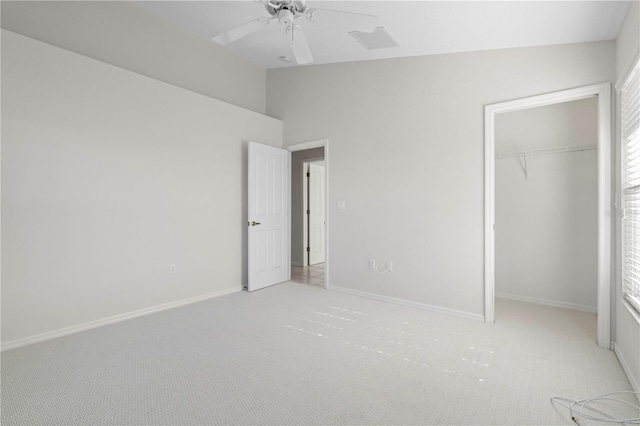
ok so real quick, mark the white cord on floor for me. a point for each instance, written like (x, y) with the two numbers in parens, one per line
(578, 409)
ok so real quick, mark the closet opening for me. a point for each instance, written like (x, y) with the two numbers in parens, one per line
(546, 200)
(547, 206)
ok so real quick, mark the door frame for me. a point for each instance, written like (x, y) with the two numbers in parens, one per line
(603, 94)
(318, 144)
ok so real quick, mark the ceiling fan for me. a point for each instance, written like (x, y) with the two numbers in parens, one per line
(286, 12)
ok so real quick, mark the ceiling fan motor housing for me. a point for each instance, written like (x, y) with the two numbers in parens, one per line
(285, 17)
(285, 10)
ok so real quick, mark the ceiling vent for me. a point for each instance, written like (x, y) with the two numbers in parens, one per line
(377, 39)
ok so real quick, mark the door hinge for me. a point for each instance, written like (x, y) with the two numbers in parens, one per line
(308, 211)
(308, 249)
(308, 174)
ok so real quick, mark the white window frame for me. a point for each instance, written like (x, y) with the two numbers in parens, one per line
(630, 285)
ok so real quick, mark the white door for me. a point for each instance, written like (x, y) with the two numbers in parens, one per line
(269, 216)
(316, 214)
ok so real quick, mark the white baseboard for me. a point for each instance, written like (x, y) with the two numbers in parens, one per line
(633, 380)
(12, 344)
(409, 303)
(554, 303)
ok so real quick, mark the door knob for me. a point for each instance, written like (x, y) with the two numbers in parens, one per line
(254, 223)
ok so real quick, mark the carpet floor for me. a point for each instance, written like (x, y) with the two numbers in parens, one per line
(296, 354)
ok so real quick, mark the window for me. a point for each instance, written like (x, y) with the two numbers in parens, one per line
(630, 132)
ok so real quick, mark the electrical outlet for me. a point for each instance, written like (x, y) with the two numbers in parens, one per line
(372, 264)
(172, 269)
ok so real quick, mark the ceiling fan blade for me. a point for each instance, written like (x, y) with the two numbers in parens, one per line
(241, 31)
(300, 47)
(362, 20)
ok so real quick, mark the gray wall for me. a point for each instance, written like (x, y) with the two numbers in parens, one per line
(546, 223)
(122, 34)
(108, 178)
(297, 202)
(407, 157)
(627, 328)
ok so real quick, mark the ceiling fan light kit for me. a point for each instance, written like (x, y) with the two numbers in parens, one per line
(286, 12)
(285, 17)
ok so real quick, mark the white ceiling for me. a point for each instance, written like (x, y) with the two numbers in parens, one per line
(420, 27)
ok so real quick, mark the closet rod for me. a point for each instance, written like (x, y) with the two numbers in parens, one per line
(543, 151)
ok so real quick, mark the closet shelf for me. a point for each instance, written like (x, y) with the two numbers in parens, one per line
(544, 151)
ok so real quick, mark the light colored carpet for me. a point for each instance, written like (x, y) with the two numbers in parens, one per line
(298, 354)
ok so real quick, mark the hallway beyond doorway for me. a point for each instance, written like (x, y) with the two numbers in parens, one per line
(310, 275)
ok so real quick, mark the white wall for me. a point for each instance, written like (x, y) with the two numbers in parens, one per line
(297, 201)
(122, 34)
(627, 328)
(628, 41)
(407, 155)
(108, 177)
(546, 222)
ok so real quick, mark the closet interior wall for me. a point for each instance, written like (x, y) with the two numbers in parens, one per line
(546, 205)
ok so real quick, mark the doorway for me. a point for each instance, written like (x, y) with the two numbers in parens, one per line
(309, 213)
(602, 93)
(313, 212)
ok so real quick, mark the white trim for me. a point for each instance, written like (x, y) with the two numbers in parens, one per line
(632, 310)
(308, 145)
(305, 217)
(546, 302)
(319, 144)
(12, 344)
(289, 221)
(409, 303)
(489, 214)
(604, 216)
(625, 366)
(603, 92)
